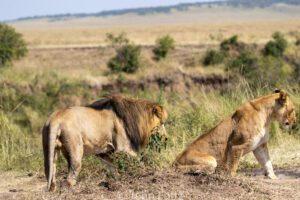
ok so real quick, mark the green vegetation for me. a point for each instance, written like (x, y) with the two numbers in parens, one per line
(213, 57)
(276, 47)
(12, 45)
(258, 67)
(244, 64)
(230, 43)
(163, 46)
(127, 58)
(27, 100)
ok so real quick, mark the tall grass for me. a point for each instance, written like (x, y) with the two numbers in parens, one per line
(18, 150)
(26, 103)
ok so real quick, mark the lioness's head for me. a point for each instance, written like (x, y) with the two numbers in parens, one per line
(159, 118)
(285, 114)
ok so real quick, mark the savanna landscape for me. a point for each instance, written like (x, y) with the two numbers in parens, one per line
(219, 55)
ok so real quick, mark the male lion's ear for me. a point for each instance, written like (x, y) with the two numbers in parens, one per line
(157, 110)
(282, 97)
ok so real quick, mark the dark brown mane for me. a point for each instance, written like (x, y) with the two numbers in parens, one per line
(135, 113)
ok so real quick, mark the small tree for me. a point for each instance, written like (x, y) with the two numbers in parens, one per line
(127, 58)
(164, 45)
(12, 45)
(229, 43)
(213, 57)
(277, 46)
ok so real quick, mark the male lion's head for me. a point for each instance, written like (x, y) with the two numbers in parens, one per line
(141, 117)
(159, 118)
(285, 114)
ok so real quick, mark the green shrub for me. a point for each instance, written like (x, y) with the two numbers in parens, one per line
(164, 45)
(271, 71)
(127, 59)
(277, 46)
(244, 64)
(12, 45)
(213, 57)
(229, 43)
(296, 74)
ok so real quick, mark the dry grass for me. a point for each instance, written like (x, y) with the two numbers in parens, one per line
(191, 33)
(91, 63)
(197, 25)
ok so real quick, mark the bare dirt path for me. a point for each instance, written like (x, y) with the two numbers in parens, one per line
(157, 185)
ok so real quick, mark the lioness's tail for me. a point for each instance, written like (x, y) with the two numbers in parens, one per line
(49, 135)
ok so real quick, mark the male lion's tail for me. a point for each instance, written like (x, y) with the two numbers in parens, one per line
(49, 135)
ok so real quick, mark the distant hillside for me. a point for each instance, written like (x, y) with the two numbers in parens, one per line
(168, 9)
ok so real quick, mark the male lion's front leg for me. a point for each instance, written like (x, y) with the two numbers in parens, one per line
(262, 155)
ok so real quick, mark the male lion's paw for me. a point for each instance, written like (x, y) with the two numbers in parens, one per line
(232, 174)
(52, 187)
(71, 182)
(272, 176)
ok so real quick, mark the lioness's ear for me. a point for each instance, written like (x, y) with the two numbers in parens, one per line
(282, 97)
(277, 90)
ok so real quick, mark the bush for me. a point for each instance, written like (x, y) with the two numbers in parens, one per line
(127, 59)
(297, 70)
(266, 71)
(164, 45)
(12, 45)
(244, 64)
(229, 43)
(276, 47)
(271, 71)
(213, 57)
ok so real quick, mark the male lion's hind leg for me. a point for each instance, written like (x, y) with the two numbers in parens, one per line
(194, 162)
(262, 155)
(73, 157)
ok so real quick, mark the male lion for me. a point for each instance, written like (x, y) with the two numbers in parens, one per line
(245, 131)
(115, 123)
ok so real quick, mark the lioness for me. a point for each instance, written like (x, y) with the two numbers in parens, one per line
(245, 131)
(115, 123)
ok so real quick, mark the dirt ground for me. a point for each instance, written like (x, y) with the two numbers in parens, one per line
(157, 185)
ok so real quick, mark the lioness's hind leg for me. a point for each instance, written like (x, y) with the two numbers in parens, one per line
(196, 162)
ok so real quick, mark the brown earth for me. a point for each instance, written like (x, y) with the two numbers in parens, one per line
(175, 81)
(158, 185)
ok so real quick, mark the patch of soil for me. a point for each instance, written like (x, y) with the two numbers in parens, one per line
(160, 185)
(176, 81)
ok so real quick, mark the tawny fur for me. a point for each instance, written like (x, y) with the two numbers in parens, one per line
(115, 123)
(245, 131)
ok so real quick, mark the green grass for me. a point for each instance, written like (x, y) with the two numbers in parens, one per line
(27, 101)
